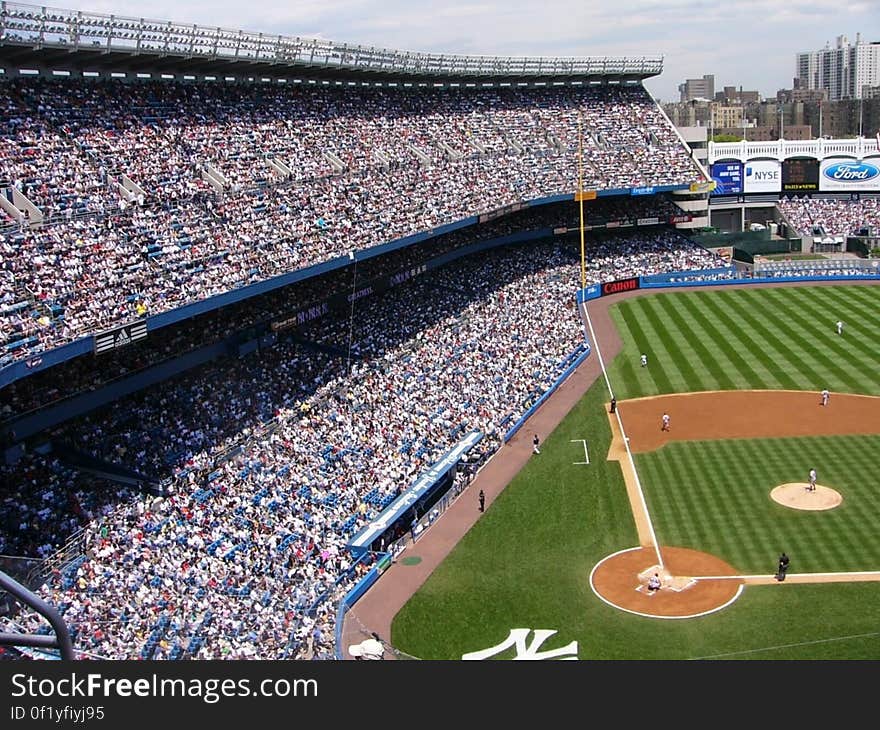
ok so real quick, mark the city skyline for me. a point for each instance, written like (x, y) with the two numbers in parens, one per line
(755, 56)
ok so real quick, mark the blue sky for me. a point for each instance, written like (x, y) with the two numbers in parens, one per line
(747, 42)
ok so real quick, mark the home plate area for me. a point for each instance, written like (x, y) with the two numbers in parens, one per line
(667, 581)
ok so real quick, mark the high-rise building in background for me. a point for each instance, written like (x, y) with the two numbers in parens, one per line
(703, 88)
(844, 71)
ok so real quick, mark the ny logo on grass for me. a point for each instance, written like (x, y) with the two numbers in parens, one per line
(517, 640)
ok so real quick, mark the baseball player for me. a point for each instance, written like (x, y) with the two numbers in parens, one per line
(665, 422)
(813, 476)
(535, 442)
(825, 396)
(839, 327)
(644, 360)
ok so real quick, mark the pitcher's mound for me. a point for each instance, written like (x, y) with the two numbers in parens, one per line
(797, 496)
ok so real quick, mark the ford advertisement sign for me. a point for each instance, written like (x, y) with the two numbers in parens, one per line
(849, 175)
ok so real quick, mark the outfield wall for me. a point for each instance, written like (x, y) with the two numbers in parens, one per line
(704, 278)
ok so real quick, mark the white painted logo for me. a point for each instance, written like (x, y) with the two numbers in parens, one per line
(517, 640)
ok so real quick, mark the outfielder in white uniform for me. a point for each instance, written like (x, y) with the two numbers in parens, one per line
(839, 327)
(644, 360)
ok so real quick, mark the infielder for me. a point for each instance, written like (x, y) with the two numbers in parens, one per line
(812, 487)
(665, 422)
(825, 396)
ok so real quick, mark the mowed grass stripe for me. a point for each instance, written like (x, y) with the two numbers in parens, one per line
(860, 300)
(858, 361)
(813, 351)
(718, 494)
(773, 344)
(644, 343)
(677, 351)
(840, 535)
(626, 371)
(622, 372)
(665, 366)
(774, 351)
(725, 340)
(739, 481)
(854, 336)
(860, 343)
(720, 508)
(688, 336)
(826, 369)
(747, 496)
(668, 515)
(758, 374)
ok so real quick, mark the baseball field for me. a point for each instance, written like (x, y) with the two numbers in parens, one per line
(567, 546)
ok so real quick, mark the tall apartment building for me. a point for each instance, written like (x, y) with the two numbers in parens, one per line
(843, 71)
(703, 88)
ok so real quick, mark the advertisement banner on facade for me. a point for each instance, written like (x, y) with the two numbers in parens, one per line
(621, 285)
(120, 337)
(762, 176)
(728, 178)
(800, 175)
(846, 174)
(702, 187)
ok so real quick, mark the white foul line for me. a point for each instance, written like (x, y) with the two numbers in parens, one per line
(595, 343)
(586, 455)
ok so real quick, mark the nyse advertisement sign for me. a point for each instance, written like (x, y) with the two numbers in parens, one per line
(800, 174)
(728, 177)
(840, 174)
(762, 176)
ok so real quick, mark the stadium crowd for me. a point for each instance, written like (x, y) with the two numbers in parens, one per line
(818, 216)
(156, 194)
(79, 375)
(279, 457)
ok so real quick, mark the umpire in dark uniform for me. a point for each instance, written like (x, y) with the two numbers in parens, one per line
(783, 567)
(482, 501)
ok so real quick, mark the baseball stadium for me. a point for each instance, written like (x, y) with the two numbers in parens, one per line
(316, 350)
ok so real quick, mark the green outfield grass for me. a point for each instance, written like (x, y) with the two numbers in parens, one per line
(526, 563)
(749, 339)
(714, 496)
(794, 256)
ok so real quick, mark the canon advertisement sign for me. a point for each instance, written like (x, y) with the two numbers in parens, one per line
(847, 175)
(762, 176)
(615, 287)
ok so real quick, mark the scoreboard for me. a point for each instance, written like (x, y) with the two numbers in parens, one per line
(800, 174)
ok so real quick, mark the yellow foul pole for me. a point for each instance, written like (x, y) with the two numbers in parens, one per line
(581, 196)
